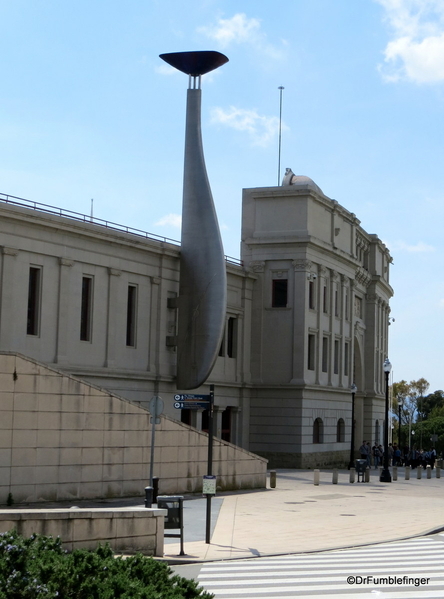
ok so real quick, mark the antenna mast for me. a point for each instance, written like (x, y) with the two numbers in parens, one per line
(281, 89)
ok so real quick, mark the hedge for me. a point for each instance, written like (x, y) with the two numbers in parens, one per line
(38, 568)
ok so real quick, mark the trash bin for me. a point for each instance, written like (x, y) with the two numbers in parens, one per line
(360, 466)
(174, 518)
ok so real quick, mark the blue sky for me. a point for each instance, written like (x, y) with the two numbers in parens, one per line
(88, 110)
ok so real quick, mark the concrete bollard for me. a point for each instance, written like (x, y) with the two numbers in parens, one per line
(439, 463)
(352, 474)
(438, 472)
(367, 475)
(429, 471)
(272, 479)
(419, 472)
(407, 472)
(316, 475)
(394, 472)
(335, 476)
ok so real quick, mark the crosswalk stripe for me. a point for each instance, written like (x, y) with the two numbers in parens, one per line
(319, 575)
(437, 571)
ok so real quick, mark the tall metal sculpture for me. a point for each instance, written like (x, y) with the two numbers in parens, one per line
(203, 285)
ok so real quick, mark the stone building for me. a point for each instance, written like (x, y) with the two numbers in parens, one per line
(320, 318)
(307, 315)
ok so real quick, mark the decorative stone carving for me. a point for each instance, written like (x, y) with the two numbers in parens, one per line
(257, 266)
(363, 276)
(115, 272)
(359, 330)
(66, 262)
(302, 265)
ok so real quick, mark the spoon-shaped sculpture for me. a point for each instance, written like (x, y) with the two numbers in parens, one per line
(203, 285)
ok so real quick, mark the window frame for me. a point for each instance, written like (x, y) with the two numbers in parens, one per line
(86, 308)
(33, 323)
(277, 296)
(131, 315)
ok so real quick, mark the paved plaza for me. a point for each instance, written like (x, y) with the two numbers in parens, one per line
(299, 517)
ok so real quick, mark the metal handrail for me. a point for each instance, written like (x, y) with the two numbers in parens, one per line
(16, 201)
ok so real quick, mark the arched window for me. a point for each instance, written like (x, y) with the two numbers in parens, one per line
(340, 431)
(318, 431)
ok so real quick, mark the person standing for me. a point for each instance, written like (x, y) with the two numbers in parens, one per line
(390, 454)
(432, 457)
(363, 450)
(369, 454)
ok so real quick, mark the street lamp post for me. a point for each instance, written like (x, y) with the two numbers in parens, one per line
(400, 406)
(386, 477)
(353, 390)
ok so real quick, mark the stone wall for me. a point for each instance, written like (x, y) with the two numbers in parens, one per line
(126, 530)
(64, 439)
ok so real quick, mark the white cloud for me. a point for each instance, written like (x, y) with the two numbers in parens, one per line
(417, 248)
(416, 52)
(165, 69)
(239, 29)
(242, 30)
(172, 220)
(262, 130)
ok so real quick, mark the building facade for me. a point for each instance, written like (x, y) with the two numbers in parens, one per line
(319, 323)
(307, 315)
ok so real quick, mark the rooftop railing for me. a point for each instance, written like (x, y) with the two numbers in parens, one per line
(16, 201)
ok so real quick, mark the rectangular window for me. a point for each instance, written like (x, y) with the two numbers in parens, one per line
(346, 359)
(336, 303)
(280, 292)
(311, 295)
(131, 316)
(346, 305)
(336, 357)
(324, 354)
(34, 292)
(86, 309)
(311, 352)
(324, 299)
(231, 337)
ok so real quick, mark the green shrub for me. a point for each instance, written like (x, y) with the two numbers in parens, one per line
(38, 568)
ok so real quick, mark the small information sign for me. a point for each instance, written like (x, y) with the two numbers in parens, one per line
(209, 485)
(186, 401)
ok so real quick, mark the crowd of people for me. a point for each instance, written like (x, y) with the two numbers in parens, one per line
(397, 456)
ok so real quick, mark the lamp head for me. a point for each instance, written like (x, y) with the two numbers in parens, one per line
(353, 388)
(387, 365)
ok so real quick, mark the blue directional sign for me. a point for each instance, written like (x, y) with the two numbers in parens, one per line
(191, 397)
(187, 401)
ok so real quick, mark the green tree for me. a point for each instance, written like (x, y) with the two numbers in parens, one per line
(426, 430)
(419, 388)
(432, 401)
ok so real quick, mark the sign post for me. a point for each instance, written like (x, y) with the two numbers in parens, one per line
(183, 401)
(210, 464)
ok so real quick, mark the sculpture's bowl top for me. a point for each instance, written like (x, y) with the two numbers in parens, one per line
(195, 63)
